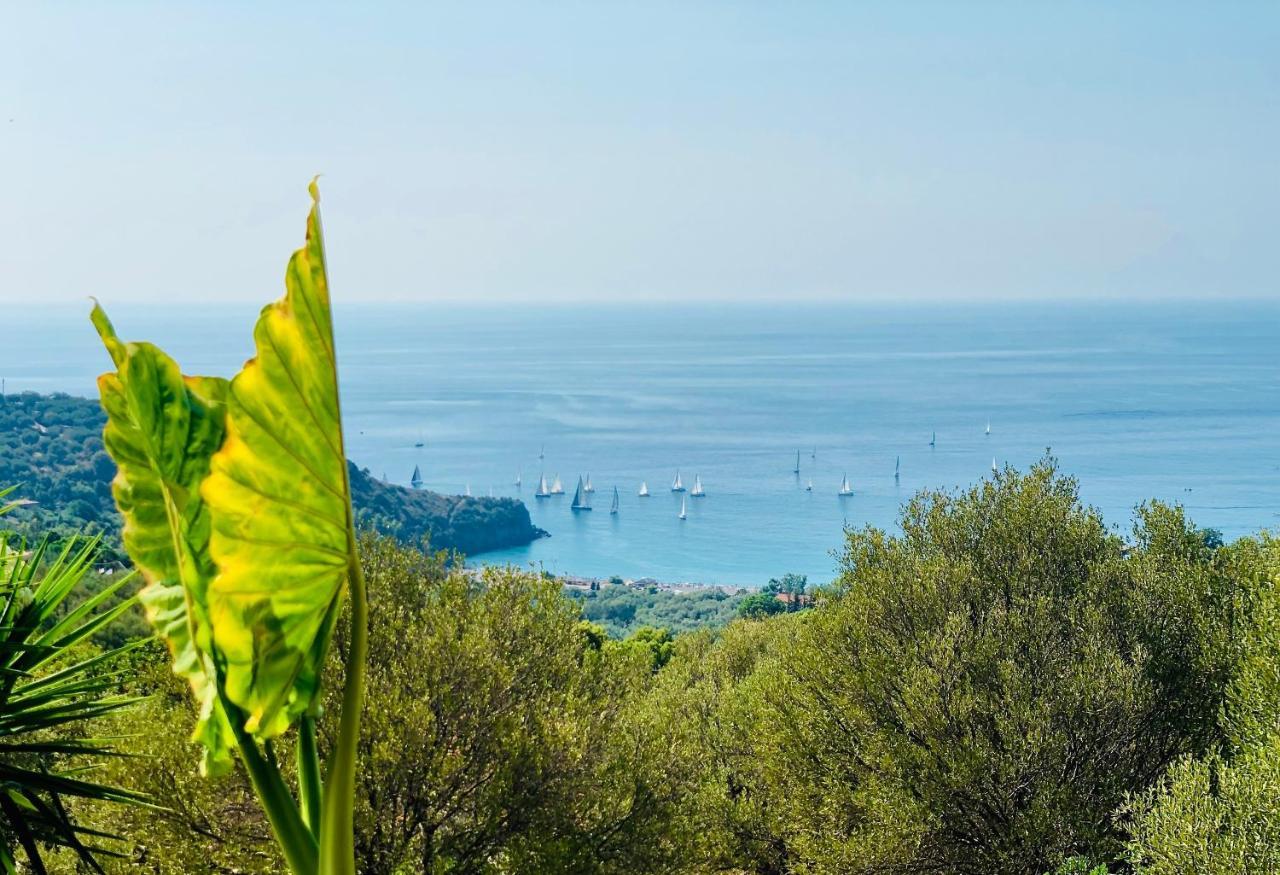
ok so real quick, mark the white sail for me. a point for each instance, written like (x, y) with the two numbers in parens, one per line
(518, 481)
(556, 487)
(994, 466)
(614, 508)
(697, 486)
(581, 500)
(587, 487)
(683, 513)
(933, 439)
(809, 486)
(845, 488)
(468, 492)
(988, 426)
(797, 468)
(677, 485)
(644, 489)
(543, 491)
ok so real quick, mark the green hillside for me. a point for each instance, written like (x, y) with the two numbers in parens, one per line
(51, 445)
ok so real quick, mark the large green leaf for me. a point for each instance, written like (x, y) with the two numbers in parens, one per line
(162, 428)
(280, 503)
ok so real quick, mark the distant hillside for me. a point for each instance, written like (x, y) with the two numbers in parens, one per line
(624, 609)
(453, 522)
(52, 446)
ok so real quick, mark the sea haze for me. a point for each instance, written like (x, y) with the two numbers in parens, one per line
(1177, 402)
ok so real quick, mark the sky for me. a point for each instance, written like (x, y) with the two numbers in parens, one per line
(554, 152)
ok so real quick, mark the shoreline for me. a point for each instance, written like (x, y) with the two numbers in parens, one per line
(585, 582)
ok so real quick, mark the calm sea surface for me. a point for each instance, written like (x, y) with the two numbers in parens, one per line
(1178, 402)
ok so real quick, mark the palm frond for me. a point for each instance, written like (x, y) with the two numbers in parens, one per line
(51, 684)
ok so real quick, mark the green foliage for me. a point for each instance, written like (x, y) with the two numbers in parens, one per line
(162, 430)
(725, 762)
(501, 734)
(52, 684)
(1220, 814)
(282, 528)
(1212, 816)
(238, 512)
(657, 645)
(450, 522)
(471, 733)
(1080, 866)
(791, 584)
(976, 695)
(52, 446)
(207, 824)
(761, 604)
(622, 610)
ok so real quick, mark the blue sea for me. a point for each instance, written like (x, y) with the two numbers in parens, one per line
(1179, 402)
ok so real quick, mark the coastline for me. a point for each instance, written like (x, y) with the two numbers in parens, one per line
(586, 583)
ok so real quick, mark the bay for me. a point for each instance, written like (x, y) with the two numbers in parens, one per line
(1179, 402)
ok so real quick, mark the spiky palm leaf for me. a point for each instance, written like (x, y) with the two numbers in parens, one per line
(48, 691)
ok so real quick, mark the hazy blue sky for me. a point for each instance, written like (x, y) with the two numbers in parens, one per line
(691, 151)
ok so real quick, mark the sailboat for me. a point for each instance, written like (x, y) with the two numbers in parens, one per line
(814, 454)
(420, 442)
(556, 488)
(543, 491)
(587, 487)
(683, 511)
(897, 467)
(416, 480)
(518, 480)
(644, 489)
(468, 492)
(845, 488)
(809, 486)
(677, 485)
(613, 509)
(988, 428)
(796, 470)
(698, 491)
(542, 452)
(933, 440)
(581, 500)
(994, 467)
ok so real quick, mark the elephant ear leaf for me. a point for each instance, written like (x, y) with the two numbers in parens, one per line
(162, 429)
(279, 494)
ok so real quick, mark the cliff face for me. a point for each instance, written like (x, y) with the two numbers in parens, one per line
(52, 446)
(451, 522)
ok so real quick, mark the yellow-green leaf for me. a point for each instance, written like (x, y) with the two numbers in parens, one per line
(162, 428)
(280, 502)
